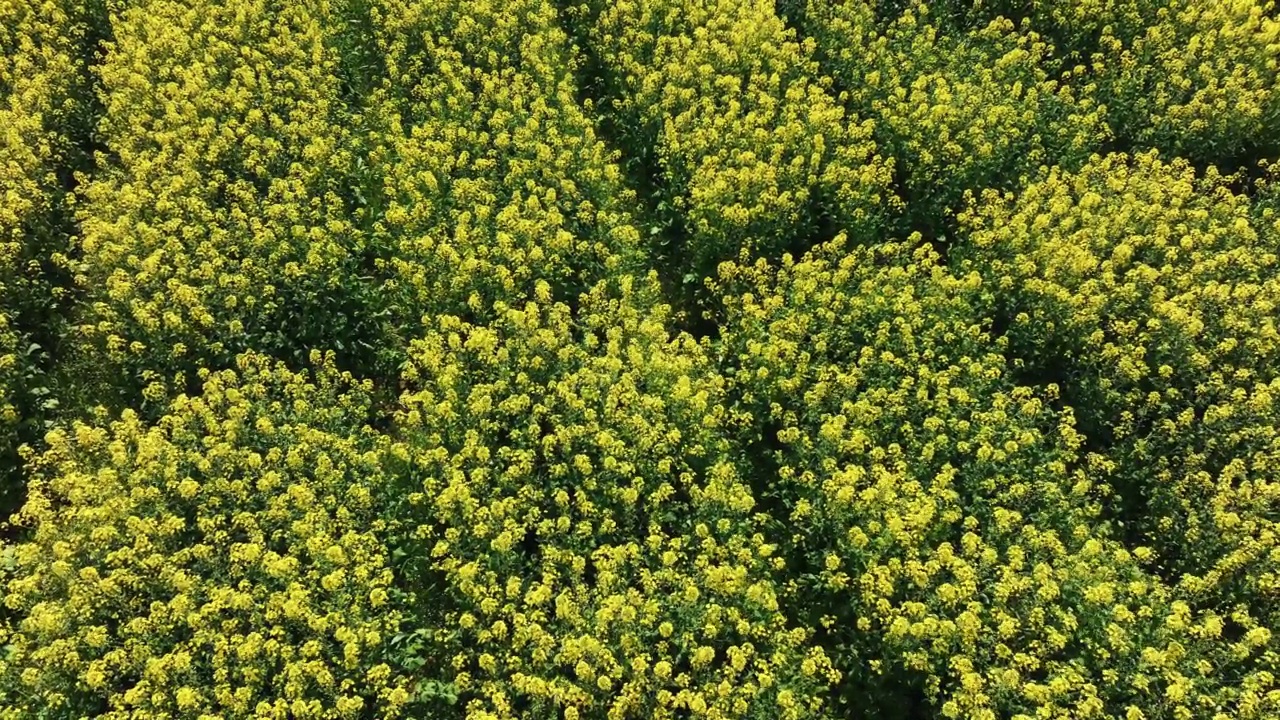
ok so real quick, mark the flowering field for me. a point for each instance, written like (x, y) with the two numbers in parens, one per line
(640, 359)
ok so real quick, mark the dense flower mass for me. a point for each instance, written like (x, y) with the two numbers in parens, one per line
(958, 112)
(43, 79)
(599, 544)
(683, 359)
(736, 126)
(1198, 82)
(1156, 295)
(219, 223)
(226, 559)
(1195, 78)
(493, 185)
(945, 522)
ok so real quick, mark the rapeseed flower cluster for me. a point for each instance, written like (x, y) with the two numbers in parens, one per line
(1198, 82)
(944, 526)
(220, 222)
(729, 114)
(43, 78)
(495, 186)
(224, 561)
(601, 552)
(1076, 27)
(1194, 78)
(376, 404)
(958, 112)
(1152, 292)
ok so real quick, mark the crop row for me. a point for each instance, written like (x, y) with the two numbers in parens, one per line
(45, 116)
(1193, 78)
(947, 528)
(958, 110)
(395, 423)
(219, 221)
(727, 117)
(1152, 292)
